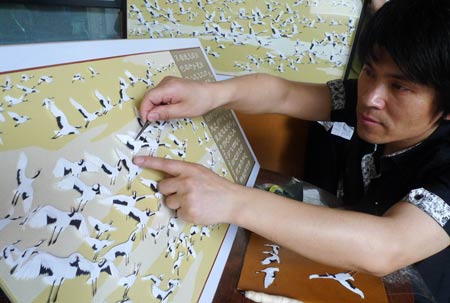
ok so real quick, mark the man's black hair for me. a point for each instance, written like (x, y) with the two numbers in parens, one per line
(416, 34)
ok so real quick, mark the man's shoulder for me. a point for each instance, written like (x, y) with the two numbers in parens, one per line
(433, 163)
(437, 146)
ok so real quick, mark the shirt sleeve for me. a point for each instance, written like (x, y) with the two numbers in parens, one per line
(431, 204)
(432, 191)
(337, 91)
(433, 196)
(344, 98)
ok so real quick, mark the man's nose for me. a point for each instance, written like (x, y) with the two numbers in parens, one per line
(375, 96)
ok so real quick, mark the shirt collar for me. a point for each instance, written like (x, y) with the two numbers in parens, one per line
(417, 150)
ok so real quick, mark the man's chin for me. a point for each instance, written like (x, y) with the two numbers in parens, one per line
(368, 136)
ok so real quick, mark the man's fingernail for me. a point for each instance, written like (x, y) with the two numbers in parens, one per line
(138, 160)
(153, 116)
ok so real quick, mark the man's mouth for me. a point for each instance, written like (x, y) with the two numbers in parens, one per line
(367, 119)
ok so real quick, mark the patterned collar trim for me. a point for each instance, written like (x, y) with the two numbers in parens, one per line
(402, 151)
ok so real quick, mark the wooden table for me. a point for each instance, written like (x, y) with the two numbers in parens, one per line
(399, 291)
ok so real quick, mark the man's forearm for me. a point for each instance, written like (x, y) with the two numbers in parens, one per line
(335, 237)
(263, 93)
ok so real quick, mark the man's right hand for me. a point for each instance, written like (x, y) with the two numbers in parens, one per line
(175, 98)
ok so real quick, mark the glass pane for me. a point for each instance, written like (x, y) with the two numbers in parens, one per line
(22, 23)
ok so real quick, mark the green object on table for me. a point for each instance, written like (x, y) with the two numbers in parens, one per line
(292, 189)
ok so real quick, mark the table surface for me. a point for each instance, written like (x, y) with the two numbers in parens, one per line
(399, 291)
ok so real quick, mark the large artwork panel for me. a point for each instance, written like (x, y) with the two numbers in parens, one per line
(80, 222)
(305, 40)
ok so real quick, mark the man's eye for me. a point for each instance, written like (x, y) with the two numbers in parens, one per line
(368, 71)
(400, 87)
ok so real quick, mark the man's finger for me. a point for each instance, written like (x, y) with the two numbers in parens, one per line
(172, 202)
(149, 103)
(171, 167)
(167, 112)
(169, 186)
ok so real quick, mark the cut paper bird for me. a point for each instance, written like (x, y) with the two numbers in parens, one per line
(7, 85)
(127, 163)
(140, 216)
(24, 190)
(159, 293)
(104, 102)
(86, 267)
(93, 72)
(123, 92)
(18, 119)
(27, 90)
(98, 245)
(53, 270)
(57, 221)
(128, 281)
(125, 200)
(77, 77)
(87, 192)
(26, 78)
(14, 101)
(65, 167)
(100, 226)
(269, 275)
(121, 250)
(45, 79)
(2, 117)
(272, 258)
(344, 279)
(110, 170)
(65, 128)
(134, 145)
(87, 116)
(133, 79)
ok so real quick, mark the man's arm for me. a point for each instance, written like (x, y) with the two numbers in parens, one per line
(347, 239)
(255, 94)
(263, 93)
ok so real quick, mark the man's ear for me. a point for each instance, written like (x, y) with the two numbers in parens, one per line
(447, 117)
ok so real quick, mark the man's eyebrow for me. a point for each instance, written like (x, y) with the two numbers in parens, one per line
(399, 76)
(395, 75)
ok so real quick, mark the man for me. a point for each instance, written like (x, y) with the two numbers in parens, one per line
(397, 164)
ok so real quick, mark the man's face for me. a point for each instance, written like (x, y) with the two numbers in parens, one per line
(393, 110)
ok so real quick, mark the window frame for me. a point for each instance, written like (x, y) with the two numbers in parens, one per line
(121, 5)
